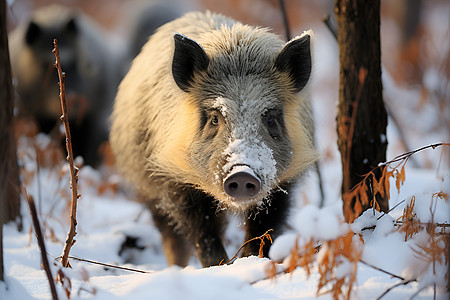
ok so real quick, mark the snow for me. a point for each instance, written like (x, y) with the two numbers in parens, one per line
(222, 105)
(107, 217)
(175, 283)
(105, 220)
(323, 223)
(240, 168)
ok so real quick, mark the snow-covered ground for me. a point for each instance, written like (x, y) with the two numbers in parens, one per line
(105, 220)
(106, 217)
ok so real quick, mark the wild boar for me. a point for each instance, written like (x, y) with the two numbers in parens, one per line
(214, 117)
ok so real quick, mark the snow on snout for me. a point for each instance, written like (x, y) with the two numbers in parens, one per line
(240, 168)
(246, 146)
(254, 157)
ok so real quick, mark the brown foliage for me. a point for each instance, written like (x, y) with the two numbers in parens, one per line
(358, 197)
(305, 259)
(265, 235)
(400, 178)
(335, 250)
(435, 250)
(271, 270)
(65, 282)
(410, 225)
(333, 254)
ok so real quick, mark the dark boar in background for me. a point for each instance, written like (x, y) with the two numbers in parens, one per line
(214, 117)
(147, 17)
(92, 74)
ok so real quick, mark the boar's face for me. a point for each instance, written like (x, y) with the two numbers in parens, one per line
(247, 101)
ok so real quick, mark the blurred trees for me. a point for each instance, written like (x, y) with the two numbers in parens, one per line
(9, 179)
(362, 117)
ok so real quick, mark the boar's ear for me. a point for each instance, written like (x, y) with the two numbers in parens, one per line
(72, 26)
(295, 59)
(33, 33)
(189, 57)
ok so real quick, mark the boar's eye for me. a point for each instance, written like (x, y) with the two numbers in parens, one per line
(273, 120)
(215, 120)
(211, 121)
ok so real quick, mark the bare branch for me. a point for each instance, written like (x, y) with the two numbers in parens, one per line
(404, 282)
(73, 170)
(418, 291)
(331, 27)
(108, 265)
(384, 271)
(408, 154)
(40, 240)
(285, 20)
(261, 237)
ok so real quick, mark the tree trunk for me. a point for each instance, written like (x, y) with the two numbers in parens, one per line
(9, 187)
(362, 117)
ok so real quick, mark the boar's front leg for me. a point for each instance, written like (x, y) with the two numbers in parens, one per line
(191, 218)
(273, 216)
(176, 247)
(205, 225)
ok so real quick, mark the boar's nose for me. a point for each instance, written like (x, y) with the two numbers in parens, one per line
(242, 185)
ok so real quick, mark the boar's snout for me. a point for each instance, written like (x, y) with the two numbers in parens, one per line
(242, 184)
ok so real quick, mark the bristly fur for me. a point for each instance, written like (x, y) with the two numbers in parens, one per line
(195, 103)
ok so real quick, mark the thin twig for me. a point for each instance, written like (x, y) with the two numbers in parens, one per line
(405, 282)
(327, 20)
(384, 213)
(321, 189)
(83, 289)
(285, 20)
(108, 265)
(38, 178)
(400, 223)
(41, 243)
(400, 131)
(395, 206)
(261, 237)
(73, 170)
(384, 271)
(441, 225)
(417, 292)
(402, 157)
(406, 155)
